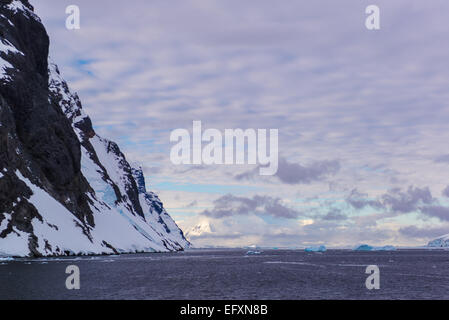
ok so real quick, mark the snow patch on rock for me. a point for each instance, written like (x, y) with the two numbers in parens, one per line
(6, 48)
(18, 7)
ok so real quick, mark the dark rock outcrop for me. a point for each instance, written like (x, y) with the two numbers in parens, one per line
(36, 137)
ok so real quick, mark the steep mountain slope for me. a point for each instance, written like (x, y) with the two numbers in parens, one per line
(156, 215)
(63, 189)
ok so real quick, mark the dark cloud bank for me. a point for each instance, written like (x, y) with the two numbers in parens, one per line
(230, 205)
(295, 173)
(414, 199)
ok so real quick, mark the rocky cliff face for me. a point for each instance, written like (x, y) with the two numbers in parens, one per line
(63, 189)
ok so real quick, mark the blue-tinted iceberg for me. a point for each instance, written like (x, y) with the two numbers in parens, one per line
(316, 249)
(363, 247)
(385, 248)
(366, 247)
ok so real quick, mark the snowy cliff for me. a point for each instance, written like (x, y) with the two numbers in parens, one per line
(63, 188)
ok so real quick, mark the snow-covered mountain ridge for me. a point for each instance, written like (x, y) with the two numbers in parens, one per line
(63, 189)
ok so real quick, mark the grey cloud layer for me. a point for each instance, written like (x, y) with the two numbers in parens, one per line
(442, 159)
(295, 173)
(335, 215)
(359, 200)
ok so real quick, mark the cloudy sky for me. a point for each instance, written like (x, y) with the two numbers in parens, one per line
(362, 115)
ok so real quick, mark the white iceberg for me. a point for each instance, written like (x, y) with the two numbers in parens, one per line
(253, 247)
(441, 242)
(6, 259)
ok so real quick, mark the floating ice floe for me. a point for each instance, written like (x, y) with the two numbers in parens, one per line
(253, 253)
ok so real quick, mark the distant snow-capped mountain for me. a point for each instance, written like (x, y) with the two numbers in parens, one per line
(202, 228)
(63, 188)
(441, 242)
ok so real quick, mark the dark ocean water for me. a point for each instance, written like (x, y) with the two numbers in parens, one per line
(229, 274)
